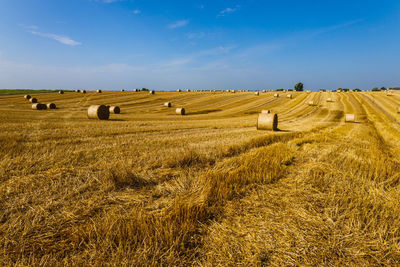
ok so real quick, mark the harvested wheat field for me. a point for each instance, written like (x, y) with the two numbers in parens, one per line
(148, 187)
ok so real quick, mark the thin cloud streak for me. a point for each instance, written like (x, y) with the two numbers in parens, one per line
(60, 38)
(178, 24)
(227, 11)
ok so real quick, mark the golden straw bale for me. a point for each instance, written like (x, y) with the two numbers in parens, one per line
(180, 111)
(33, 100)
(267, 121)
(51, 106)
(276, 95)
(114, 109)
(350, 118)
(61, 92)
(266, 111)
(167, 104)
(27, 97)
(100, 112)
(39, 106)
(289, 96)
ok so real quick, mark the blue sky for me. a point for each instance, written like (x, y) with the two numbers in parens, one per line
(113, 44)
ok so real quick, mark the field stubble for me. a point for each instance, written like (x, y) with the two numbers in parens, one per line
(149, 187)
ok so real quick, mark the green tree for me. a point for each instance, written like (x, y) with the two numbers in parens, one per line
(298, 86)
(383, 88)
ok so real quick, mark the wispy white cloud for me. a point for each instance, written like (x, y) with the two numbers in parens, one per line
(111, 1)
(195, 35)
(228, 10)
(29, 27)
(137, 11)
(178, 24)
(60, 38)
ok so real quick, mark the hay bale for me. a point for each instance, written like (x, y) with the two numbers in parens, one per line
(389, 93)
(122, 90)
(267, 121)
(151, 92)
(180, 111)
(51, 106)
(100, 112)
(99, 91)
(33, 100)
(136, 90)
(311, 103)
(83, 91)
(167, 104)
(289, 96)
(77, 91)
(329, 99)
(27, 97)
(276, 95)
(350, 118)
(178, 90)
(265, 111)
(114, 109)
(257, 93)
(61, 92)
(39, 106)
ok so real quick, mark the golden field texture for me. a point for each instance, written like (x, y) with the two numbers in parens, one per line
(149, 187)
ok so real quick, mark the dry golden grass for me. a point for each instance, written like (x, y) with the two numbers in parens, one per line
(148, 187)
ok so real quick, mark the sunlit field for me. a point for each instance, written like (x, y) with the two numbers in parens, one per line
(150, 187)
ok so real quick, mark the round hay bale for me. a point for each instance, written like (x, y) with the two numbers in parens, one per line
(51, 106)
(276, 95)
(267, 121)
(100, 112)
(311, 103)
(289, 96)
(27, 97)
(389, 93)
(329, 99)
(77, 91)
(187, 90)
(180, 111)
(151, 92)
(83, 91)
(266, 111)
(122, 90)
(350, 118)
(61, 92)
(39, 106)
(99, 91)
(178, 90)
(257, 93)
(167, 104)
(114, 109)
(33, 100)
